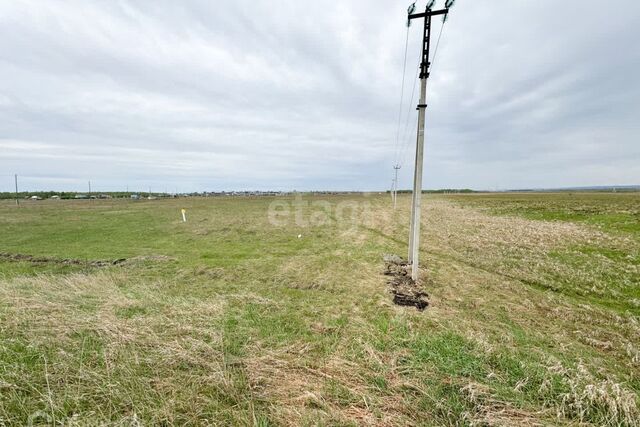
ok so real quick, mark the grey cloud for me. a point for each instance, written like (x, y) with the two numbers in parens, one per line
(235, 95)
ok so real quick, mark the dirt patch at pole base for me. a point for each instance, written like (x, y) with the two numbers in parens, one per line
(405, 290)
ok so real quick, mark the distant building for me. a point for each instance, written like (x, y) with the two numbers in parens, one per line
(81, 196)
(55, 197)
(135, 196)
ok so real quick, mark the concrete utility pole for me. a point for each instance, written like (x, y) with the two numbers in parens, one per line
(414, 233)
(395, 186)
(16, 179)
(89, 189)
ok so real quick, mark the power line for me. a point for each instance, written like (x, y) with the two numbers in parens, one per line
(435, 51)
(403, 144)
(407, 140)
(406, 136)
(404, 73)
(405, 150)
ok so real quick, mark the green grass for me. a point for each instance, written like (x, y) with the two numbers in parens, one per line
(230, 320)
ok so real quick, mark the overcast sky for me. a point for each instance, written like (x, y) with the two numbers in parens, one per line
(229, 95)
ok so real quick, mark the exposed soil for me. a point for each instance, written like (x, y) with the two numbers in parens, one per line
(405, 290)
(79, 262)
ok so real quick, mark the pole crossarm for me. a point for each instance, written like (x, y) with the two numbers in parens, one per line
(428, 13)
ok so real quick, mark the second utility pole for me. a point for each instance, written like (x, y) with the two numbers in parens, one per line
(16, 178)
(414, 233)
(395, 187)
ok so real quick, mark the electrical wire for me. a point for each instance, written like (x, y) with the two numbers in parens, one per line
(406, 141)
(404, 73)
(435, 51)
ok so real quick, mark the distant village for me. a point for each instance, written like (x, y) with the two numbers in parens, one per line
(51, 195)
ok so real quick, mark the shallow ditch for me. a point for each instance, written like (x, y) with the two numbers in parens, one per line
(80, 262)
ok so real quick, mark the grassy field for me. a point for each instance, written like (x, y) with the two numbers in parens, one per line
(236, 319)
